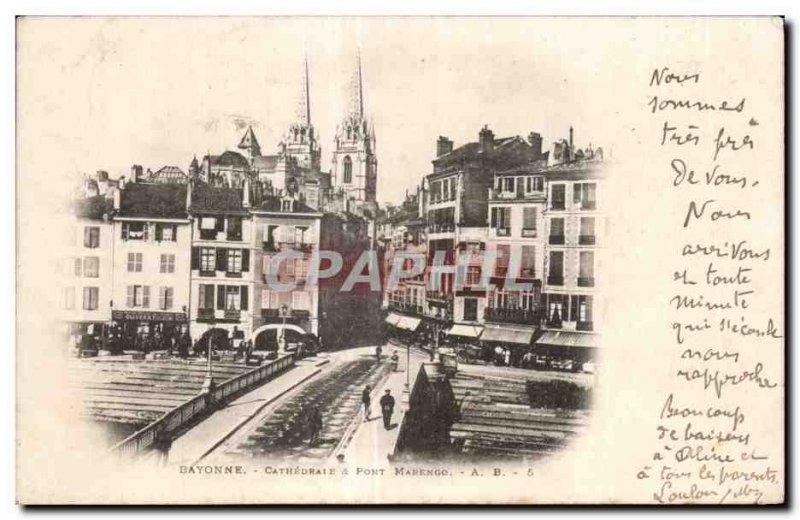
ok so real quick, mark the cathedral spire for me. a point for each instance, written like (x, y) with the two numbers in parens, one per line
(303, 116)
(356, 91)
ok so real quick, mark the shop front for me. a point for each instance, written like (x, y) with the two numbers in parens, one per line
(507, 345)
(147, 331)
(567, 350)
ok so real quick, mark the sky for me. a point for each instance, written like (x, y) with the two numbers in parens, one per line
(156, 91)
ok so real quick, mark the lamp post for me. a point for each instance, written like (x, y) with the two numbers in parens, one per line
(208, 384)
(284, 312)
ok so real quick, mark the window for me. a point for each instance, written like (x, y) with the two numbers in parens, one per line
(501, 220)
(269, 299)
(233, 301)
(556, 268)
(555, 310)
(557, 231)
(473, 276)
(234, 261)
(558, 196)
(134, 231)
(235, 228)
(301, 301)
(453, 188)
(470, 309)
(91, 267)
(534, 184)
(587, 236)
(300, 235)
(69, 298)
(90, 297)
(208, 259)
(503, 257)
(586, 269)
(166, 232)
(528, 264)
(167, 263)
(529, 219)
(91, 237)
(585, 194)
(134, 262)
(208, 228)
(347, 165)
(78, 266)
(300, 268)
(269, 236)
(286, 205)
(206, 296)
(165, 296)
(138, 296)
(508, 184)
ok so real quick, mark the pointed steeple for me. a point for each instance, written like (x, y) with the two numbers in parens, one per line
(303, 115)
(250, 143)
(356, 110)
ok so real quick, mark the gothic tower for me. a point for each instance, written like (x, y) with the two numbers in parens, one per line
(301, 142)
(355, 166)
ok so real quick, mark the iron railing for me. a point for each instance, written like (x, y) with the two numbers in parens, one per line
(176, 419)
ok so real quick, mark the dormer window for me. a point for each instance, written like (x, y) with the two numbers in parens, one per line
(286, 205)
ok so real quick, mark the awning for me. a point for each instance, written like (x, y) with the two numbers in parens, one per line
(466, 331)
(564, 338)
(393, 319)
(508, 334)
(408, 323)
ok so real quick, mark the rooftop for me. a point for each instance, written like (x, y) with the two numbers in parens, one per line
(153, 200)
(215, 199)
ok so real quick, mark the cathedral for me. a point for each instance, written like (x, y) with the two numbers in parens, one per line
(295, 167)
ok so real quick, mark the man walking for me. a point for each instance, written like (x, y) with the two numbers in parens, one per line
(366, 399)
(387, 408)
(315, 426)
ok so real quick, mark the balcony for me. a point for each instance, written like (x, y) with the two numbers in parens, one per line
(270, 247)
(555, 280)
(557, 205)
(504, 195)
(234, 236)
(439, 299)
(502, 315)
(207, 274)
(233, 314)
(233, 274)
(301, 314)
(503, 232)
(529, 232)
(442, 228)
(406, 307)
(589, 205)
(557, 240)
(584, 326)
(205, 314)
(585, 281)
(270, 313)
(587, 240)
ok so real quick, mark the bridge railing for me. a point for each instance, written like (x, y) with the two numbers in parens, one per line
(174, 420)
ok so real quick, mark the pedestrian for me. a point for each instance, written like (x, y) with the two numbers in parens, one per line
(366, 400)
(315, 425)
(387, 408)
(508, 357)
(162, 444)
(378, 351)
(395, 361)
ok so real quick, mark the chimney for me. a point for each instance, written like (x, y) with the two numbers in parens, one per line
(116, 199)
(443, 146)
(121, 183)
(189, 194)
(535, 141)
(570, 142)
(486, 140)
(136, 173)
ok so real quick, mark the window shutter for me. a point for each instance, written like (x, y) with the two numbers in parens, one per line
(493, 223)
(245, 260)
(174, 232)
(146, 234)
(87, 237)
(159, 232)
(221, 297)
(222, 259)
(220, 224)
(244, 297)
(162, 298)
(195, 258)
(129, 300)
(78, 264)
(201, 296)
(146, 296)
(576, 192)
(124, 231)
(85, 298)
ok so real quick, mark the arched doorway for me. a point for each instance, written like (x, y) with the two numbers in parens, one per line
(268, 337)
(218, 337)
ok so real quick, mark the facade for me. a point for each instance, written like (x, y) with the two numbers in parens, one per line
(221, 265)
(283, 224)
(151, 254)
(86, 270)
(575, 228)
